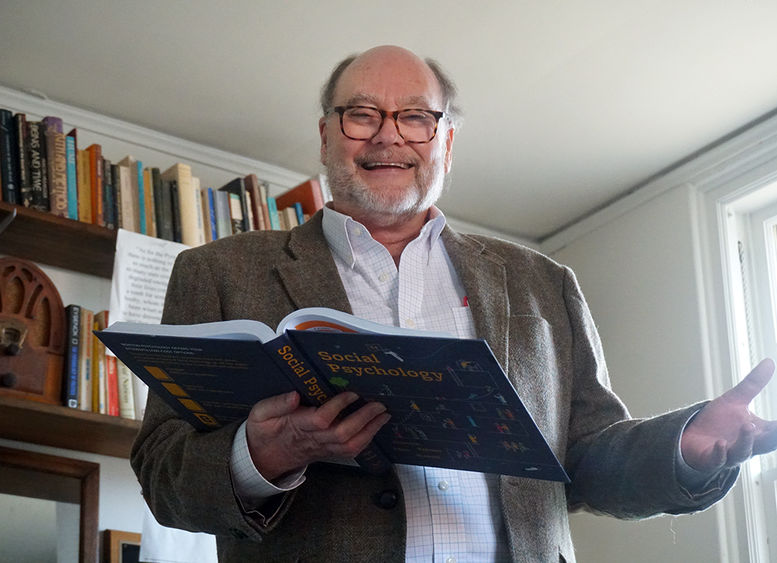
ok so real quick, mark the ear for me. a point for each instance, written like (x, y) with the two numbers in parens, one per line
(322, 134)
(449, 149)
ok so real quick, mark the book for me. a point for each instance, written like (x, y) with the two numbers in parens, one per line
(221, 213)
(209, 214)
(272, 209)
(450, 402)
(71, 145)
(85, 360)
(163, 207)
(176, 209)
(126, 196)
(126, 390)
(148, 202)
(135, 199)
(9, 162)
(70, 364)
(237, 187)
(22, 154)
(57, 166)
(256, 200)
(111, 385)
(308, 194)
(39, 189)
(95, 171)
(84, 186)
(236, 213)
(110, 207)
(189, 208)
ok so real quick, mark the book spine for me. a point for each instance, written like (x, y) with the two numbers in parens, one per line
(96, 183)
(275, 222)
(162, 218)
(263, 190)
(236, 213)
(36, 167)
(56, 148)
(111, 385)
(44, 167)
(84, 187)
(85, 361)
(109, 195)
(209, 205)
(141, 198)
(119, 209)
(149, 200)
(9, 166)
(315, 391)
(252, 188)
(300, 214)
(126, 390)
(175, 201)
(70, 365)
(72, 177)
(23, 159)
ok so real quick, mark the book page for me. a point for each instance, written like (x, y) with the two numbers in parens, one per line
(141, 271)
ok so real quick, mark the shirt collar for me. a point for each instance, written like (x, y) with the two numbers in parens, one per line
(339, 230)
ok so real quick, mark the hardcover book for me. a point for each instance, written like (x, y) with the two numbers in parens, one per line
(9, 162)
(451, 405)
(237, 187)
(307, 193)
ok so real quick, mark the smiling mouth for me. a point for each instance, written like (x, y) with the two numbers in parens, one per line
(386, 165)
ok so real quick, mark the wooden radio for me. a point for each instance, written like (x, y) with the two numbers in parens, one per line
(32, 333)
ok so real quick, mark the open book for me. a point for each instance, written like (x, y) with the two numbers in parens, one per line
(451, 404)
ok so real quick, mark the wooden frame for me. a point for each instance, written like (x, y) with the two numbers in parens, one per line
(113, 543)
(62, 479)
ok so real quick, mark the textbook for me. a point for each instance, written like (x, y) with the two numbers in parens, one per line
(451, 404)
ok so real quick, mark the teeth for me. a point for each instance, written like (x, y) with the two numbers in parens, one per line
(372, 165)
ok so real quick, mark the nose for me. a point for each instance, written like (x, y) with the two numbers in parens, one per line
(388, 134)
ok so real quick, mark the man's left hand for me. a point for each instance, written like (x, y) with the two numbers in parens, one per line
(725, 433)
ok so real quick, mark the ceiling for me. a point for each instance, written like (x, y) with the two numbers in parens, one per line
(568, 105)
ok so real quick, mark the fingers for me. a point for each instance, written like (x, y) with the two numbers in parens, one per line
(275, 407)
(742, 449)
(766, 438)
(746, 390)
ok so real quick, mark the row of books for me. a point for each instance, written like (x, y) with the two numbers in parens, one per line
(43, 168)
(93, 380)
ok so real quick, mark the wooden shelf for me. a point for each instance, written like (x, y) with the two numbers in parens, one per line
(62, 427)
(56, 241)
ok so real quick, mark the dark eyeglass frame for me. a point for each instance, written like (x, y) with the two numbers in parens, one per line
(438, 115)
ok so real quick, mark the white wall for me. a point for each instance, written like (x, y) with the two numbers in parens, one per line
(637, 272)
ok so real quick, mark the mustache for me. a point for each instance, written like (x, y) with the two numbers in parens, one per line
(386, 156)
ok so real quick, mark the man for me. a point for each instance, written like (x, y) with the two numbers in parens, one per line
(382, 252)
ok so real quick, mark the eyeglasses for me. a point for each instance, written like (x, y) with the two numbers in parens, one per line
(362, 123)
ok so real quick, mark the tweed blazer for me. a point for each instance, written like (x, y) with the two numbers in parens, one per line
(534, 317)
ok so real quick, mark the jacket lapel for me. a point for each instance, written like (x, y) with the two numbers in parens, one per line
(485, 279)
(310, 276)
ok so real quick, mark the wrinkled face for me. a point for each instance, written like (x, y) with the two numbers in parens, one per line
(385, 179)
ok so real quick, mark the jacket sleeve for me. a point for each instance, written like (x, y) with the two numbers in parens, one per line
(184, 474)
(618, 465)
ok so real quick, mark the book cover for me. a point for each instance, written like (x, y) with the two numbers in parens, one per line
(237, 187)
(307, 193)
(450, 402)
(44, 166)
(132, 197)
(209, 214)
(9, 163)
(256, 200)
(71, 146)
(22, 157)
(236, 213)
(70, 365)
(189, 208)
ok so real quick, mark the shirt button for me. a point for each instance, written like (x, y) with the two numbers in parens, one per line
(443, 486)
(356, 232)
(383, 277)
(410, 323)
(450, 560)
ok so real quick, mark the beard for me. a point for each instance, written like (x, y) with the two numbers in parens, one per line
(387, 206)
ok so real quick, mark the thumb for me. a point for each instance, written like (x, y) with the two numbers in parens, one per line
(274, 407)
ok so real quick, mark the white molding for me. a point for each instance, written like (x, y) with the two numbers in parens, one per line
(748, 149)
(188, 151)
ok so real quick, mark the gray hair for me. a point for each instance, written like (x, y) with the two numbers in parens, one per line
(448, 88)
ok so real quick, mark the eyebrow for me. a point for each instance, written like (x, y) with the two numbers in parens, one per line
(420, 102)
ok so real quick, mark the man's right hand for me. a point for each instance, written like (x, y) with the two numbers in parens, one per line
(284, 436)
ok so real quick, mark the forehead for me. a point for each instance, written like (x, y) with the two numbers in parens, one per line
(389, 81)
